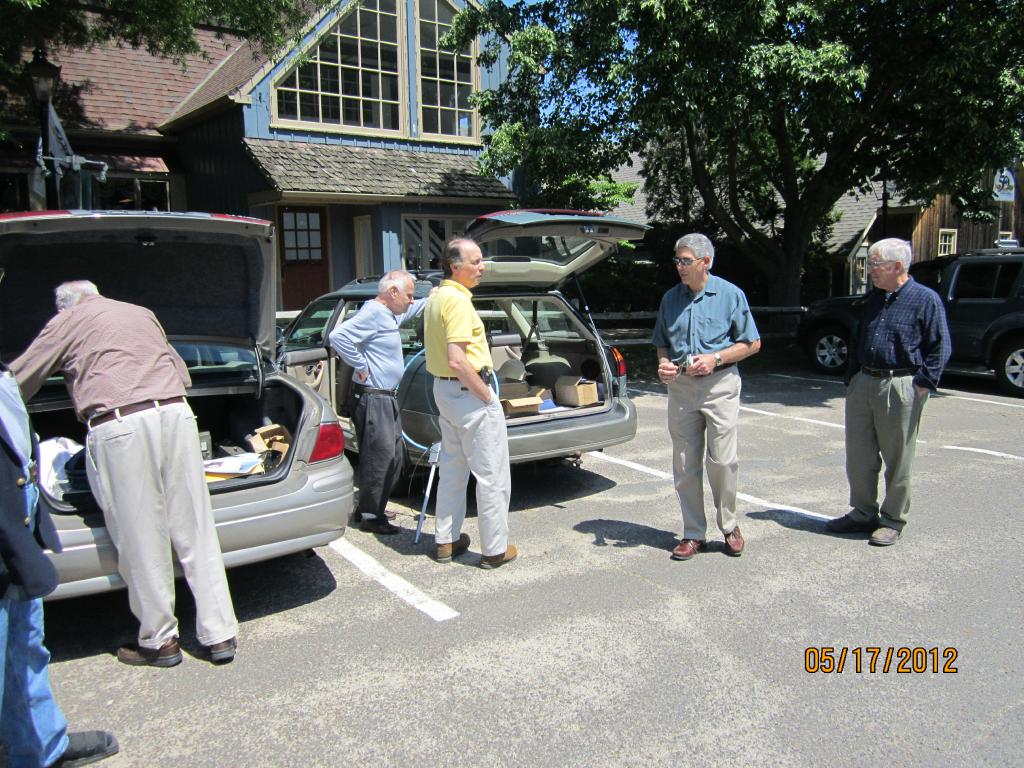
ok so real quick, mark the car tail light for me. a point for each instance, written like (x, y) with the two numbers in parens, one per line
(330, 443)
(619, 361)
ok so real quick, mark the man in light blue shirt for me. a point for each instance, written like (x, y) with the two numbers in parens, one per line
(704, 328)
(370, 342)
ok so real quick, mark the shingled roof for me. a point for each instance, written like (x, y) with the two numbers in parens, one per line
(367, 171)
(630, 172)
(118, 88)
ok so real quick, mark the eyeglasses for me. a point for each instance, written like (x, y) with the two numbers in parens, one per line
(877, 264)
(684, 262)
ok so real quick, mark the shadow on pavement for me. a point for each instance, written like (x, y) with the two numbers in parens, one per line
(798, 522)
(98, 624)
(620, 533)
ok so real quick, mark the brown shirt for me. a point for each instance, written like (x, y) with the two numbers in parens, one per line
(112, 354)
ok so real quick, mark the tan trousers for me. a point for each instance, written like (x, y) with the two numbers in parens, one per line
(146, 472)
(703, 418)
(882, 420)
(473, 439)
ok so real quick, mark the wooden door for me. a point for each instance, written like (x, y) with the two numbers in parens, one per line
(302, 246)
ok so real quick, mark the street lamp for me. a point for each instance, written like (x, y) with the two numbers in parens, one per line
(44, 76)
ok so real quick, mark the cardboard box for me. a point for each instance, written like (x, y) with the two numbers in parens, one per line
(510, 389)
(272, 437)
(575, 391)
(520, 406)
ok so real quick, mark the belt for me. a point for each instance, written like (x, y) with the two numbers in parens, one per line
(887, 373)
(483, 373)
(128, 410)
(376, 391)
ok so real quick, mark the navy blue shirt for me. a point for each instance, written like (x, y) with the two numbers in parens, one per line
(703, 323)
(907, 329)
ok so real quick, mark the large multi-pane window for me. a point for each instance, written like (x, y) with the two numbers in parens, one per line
(446, 76)
(352, 77)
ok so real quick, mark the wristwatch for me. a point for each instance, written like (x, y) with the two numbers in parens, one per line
(718, 359)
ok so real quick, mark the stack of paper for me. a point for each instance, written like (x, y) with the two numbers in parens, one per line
(233, 466)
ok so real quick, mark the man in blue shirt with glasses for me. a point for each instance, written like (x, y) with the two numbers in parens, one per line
(704, 327)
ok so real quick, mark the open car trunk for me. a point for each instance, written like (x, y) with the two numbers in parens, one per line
(228, 414)
(535, 339)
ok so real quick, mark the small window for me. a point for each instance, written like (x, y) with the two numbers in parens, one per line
(300, 231)
(947, 242)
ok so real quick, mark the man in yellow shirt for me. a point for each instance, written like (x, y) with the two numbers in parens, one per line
(473, 435)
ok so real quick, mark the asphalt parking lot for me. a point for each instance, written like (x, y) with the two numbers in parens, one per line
(595, 648)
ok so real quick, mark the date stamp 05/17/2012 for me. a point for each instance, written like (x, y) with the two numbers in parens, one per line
(872, 659)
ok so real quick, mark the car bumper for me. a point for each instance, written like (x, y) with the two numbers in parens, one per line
(308, 508)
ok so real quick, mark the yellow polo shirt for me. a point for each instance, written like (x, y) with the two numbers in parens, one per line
(450, 319)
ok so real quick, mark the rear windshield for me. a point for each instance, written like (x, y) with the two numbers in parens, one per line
(556, 250)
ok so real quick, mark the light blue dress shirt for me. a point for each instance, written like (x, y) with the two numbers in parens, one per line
(370, 340)
(703, 323)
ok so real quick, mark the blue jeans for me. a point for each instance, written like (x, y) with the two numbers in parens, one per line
(30, 721)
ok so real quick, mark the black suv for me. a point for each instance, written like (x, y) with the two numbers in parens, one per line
(983, 293)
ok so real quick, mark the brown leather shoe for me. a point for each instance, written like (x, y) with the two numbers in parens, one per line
(168, 655)
(445, 552)
(687, 548)
(489, 562)
(224, 652)
(734, 542)
(884, 537)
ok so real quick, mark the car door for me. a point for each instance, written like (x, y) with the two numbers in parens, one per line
(980, 292)
(302, 351)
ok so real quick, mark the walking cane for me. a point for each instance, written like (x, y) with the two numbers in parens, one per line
(435, 454)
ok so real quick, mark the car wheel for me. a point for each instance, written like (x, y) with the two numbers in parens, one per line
(1009, 365)
(829, 349)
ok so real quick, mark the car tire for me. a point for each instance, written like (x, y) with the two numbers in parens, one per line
(1009, 365)
(829, 349)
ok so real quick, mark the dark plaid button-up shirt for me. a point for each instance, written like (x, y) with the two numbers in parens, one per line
(907, 329)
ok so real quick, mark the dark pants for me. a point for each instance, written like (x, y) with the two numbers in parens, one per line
(378, 428)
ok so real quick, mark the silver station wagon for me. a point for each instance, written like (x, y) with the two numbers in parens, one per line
(211, 281)
(535, 333)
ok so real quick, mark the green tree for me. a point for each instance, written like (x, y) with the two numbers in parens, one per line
(757, 115)
(163, 27)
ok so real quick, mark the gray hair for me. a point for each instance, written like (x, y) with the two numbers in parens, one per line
(452, 253)
(892, 249)
(70, 293)
(699, 244)
(394, 279)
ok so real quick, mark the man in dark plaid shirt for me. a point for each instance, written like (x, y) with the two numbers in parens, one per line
(897, 354)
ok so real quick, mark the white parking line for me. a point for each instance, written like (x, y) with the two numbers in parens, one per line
(979, 400)
(792, 418)
(743, 496)
(435, 609)
(808, 378)
(982, 450)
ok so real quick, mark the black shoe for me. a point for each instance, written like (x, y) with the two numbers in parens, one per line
(382, 527)
(850, 524)
(86, 747)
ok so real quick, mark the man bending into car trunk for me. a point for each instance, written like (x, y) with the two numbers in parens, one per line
(144, 463)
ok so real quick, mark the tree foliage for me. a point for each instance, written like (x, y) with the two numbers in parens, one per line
(163, 27)
(756, 115)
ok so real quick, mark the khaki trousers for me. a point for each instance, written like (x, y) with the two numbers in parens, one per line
(473, 440)
(146, 473)
(882, 421)
(703, 419)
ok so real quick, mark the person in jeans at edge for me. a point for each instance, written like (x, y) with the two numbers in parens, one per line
(371, 344)
(704, 327)
(473, 434)
(32, 724)
(144, 464)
